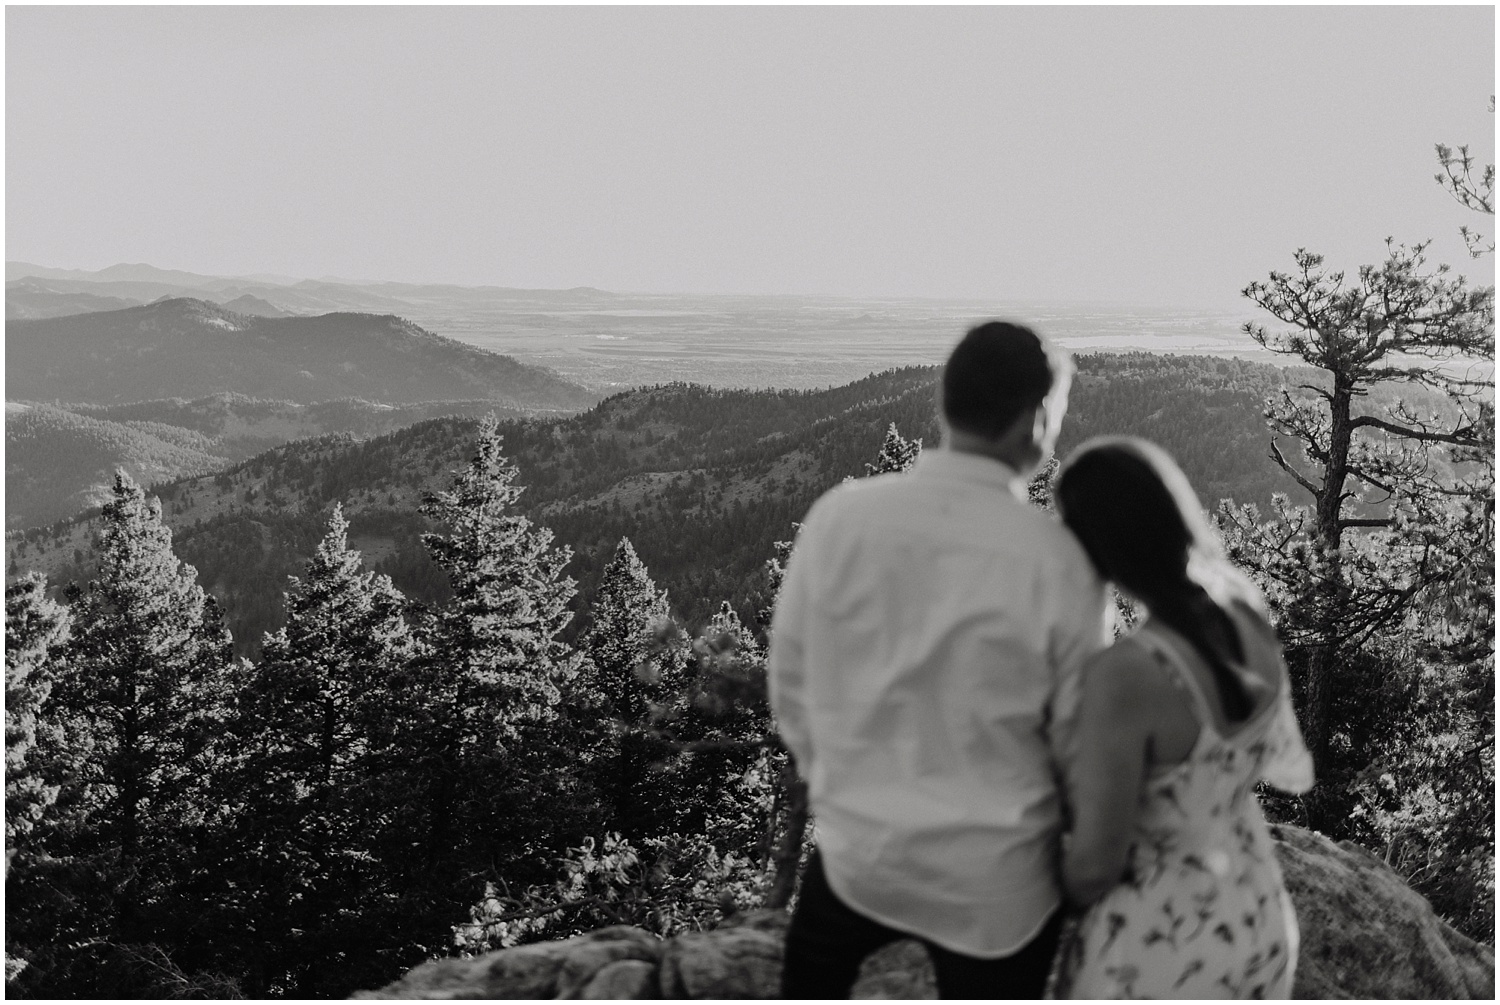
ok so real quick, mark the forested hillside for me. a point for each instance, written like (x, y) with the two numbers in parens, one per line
(704, 481)
(58, 462)
(61, 460)
(191, 348)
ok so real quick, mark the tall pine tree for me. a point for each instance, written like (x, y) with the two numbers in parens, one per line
(1348, 566)
(36, 630)
(147, 681)
(37, 756)
(493, 769)
(623, 644)
(319, 719)
(635, 663)
(510, 599)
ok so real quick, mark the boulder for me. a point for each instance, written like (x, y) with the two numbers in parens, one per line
(743, 961)
(1365, 934)
(901, 970)
(624, 980)
(541, 970)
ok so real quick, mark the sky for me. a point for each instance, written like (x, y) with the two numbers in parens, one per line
(1136, 155)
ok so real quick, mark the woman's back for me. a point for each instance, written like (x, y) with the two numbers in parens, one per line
(1201, 911)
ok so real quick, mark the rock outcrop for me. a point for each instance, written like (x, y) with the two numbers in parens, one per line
(1365, 934)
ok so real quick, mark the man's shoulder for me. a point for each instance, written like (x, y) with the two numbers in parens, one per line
(1018, 527)
(1052, 549)
(1047, 531)
(856, 493)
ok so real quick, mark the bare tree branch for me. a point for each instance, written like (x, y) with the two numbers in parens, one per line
(1277, 456)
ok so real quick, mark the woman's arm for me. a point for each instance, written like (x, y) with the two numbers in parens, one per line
(1108, 769)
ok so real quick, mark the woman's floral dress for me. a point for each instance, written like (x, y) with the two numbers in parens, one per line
(1202, 912)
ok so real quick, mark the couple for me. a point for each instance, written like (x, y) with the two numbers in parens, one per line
(977, 753)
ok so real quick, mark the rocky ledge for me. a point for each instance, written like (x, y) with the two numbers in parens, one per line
(1365, 934)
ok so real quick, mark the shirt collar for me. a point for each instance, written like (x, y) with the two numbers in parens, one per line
(975, 469)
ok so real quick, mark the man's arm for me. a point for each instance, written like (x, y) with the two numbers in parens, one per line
(1083, 626)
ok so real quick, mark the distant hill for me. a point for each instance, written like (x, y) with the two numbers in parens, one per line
(247, 304)
(123, 272)
(35, 298)
(143, 283)
(703, 480)
(192, 348)
(60, 461)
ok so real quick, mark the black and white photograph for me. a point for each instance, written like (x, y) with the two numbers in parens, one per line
(692, 501)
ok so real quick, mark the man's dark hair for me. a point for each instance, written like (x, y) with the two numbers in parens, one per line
(999, 371)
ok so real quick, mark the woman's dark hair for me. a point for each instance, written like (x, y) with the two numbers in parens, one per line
(998, 371)
(1134, 530)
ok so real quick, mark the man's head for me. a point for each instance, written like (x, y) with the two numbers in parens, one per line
(1003, 393)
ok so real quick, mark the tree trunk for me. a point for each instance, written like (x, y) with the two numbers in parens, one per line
(1330, 598)
(788, 857)
(130, 803)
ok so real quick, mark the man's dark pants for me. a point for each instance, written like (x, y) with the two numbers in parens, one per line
(828, 941)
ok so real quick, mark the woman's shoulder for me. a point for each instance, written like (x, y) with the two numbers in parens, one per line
(1262, 634)
(1127, 675)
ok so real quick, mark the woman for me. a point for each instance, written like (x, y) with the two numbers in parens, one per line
(1178, 721)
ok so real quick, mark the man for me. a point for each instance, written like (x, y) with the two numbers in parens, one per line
(924, 657)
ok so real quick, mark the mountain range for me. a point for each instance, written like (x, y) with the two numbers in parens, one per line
(190, 348)
(38, 291)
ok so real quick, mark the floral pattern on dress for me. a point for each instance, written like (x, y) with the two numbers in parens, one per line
(1202, 911)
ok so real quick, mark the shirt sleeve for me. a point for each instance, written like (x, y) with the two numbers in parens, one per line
(1084, 626)
(786, 670)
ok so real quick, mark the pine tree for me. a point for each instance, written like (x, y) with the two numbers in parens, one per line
(896, 453)
(510, 597)
(492, 771)
(38, 756)
(1397, 322)
(628, 615)
(147, 682)
(36, 631)
(635, 665)
(319, 715)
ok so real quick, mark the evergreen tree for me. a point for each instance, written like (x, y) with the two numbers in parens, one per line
(510, 598)
(622, 642)
(492, 771)
(896, 453)
(1039, 486)
(1397, 322)
(1477, 193)
(36, 630)
(148, 681)
(319, 718)
(635, 664)
(37, 756)
(737, 710)
(1383, 587)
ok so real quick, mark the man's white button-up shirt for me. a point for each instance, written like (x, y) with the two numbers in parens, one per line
(924, 663)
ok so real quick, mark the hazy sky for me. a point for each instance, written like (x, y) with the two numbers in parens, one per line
(1158, 155)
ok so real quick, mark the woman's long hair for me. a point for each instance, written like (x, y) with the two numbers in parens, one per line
(1137, 517)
